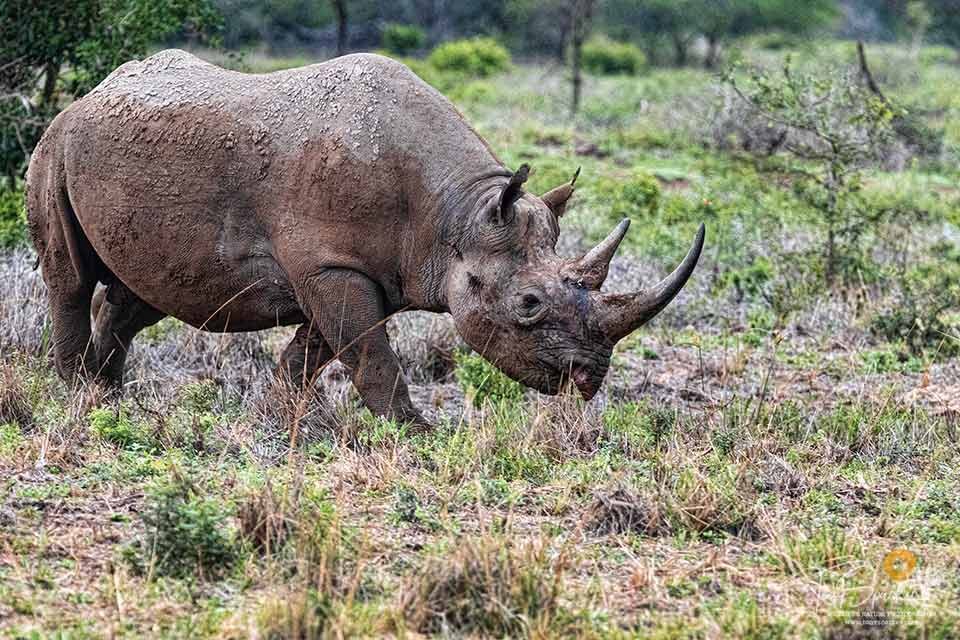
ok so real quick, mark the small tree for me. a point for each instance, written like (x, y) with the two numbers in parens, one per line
(834, 127)
(51, 52)
(917, 20)
(681, 21)
(945, 21)
(343, 32)
(581, 17)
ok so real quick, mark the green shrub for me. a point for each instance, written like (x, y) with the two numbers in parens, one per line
(922, 314)
(186, 533)
(749, 281)
(192, 420)
(10, 438)
(475, 56)
(13, 217)
(402, 39)
(637, 195)
(894, 358)
(938, 55)
(482, 381)
(115, 426)
(633, 428)
(777, 41)
(608, 58)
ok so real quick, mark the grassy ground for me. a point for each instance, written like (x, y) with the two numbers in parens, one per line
(755, 456)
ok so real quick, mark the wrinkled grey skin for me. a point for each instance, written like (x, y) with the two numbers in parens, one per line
(327, 197)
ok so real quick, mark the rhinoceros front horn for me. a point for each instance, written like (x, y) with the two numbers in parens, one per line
(621, 314)
(591, 270)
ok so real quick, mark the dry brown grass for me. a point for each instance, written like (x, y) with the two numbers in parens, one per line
(15, 406)
(488, 585)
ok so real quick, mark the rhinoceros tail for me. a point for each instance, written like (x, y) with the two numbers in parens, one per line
(53, 224)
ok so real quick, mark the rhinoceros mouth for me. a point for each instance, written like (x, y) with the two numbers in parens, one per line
(587, 384)
(585, 375)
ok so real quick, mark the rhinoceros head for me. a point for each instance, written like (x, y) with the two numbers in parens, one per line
(539, 318)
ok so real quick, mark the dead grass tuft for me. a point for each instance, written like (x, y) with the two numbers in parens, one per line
(490, 586)
(14, 404)
(299, 416)
(323, 567)
(625, 511)
(563, 427)
(264, 517)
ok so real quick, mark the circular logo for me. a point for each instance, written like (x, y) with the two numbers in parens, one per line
(899, 564)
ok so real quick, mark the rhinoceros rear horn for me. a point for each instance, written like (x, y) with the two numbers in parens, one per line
(556, 199)
(511, 193)
(621, 314)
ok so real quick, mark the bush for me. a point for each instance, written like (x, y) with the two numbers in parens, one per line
(192, 421)
(832, 126)
(638, 194)
(481, 380)
(778, 41)
(402, 39)
(608, 58)
(938, 55)
(185, 533)
(475, 56)
(921, 312)
(13, 218)
(115, 427)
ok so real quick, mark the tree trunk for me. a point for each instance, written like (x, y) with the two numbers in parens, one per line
(834, 184)
(679, 49)
(713, 51)
(581, 14)
(51, 74)
(562, 42)
(340, 9)
(575, 61)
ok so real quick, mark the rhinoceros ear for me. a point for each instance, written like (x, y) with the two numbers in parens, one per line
(556, 198)
(510, 194)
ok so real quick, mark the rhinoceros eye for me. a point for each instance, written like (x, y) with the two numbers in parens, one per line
(530, 308)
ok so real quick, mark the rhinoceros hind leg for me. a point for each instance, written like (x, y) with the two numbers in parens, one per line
(73, 353)
(118, 316)
(303, 359)
(348, 307)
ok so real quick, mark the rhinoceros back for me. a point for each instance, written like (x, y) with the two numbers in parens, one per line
(199, 187)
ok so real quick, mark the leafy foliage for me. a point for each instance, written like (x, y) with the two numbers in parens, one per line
(72, 46)
(483, 381)
(403, 39)
(607, 57)
(834, 127)
(116, 427)
(13, 217)
(922, 311)
(636, 196)
(186, 533)
(473, 57)
(675, 24)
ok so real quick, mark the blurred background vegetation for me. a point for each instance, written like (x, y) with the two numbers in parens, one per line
(51, 52)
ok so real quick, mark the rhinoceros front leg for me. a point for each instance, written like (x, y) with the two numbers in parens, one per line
(348, 308)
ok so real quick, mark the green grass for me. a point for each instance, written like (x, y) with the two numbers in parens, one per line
(759, 449)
